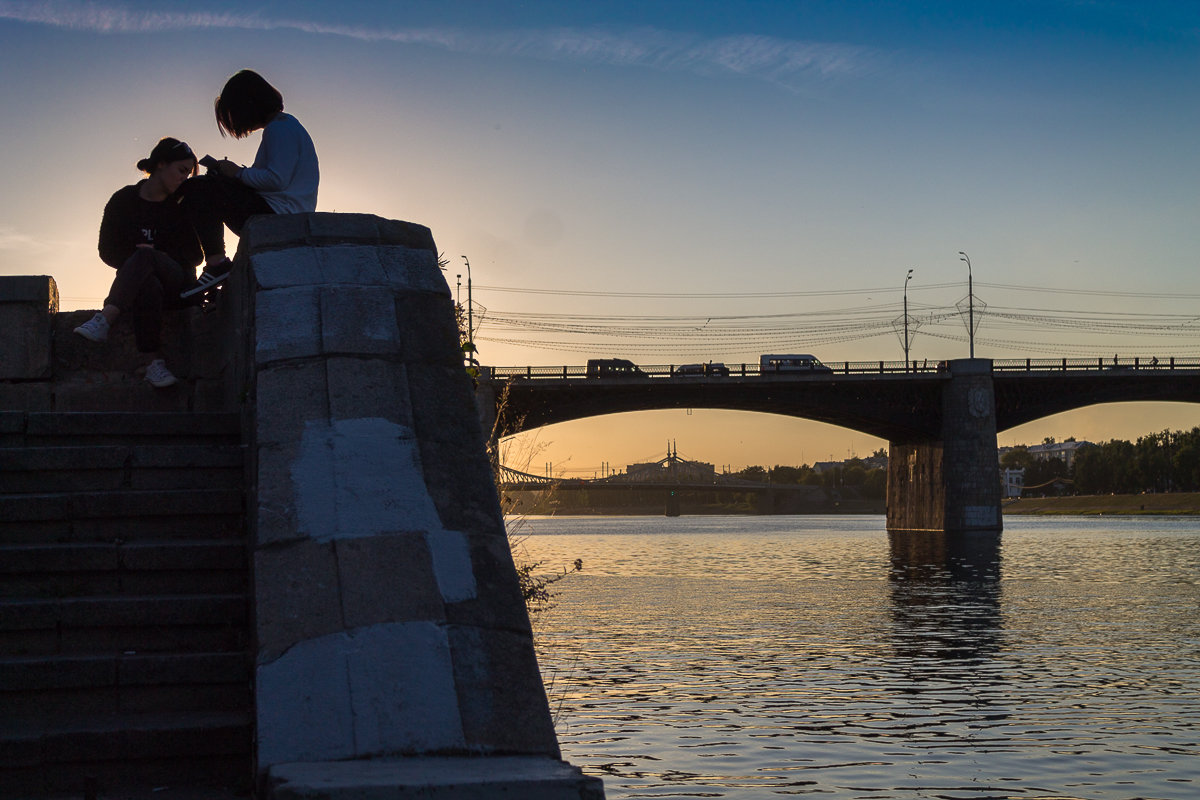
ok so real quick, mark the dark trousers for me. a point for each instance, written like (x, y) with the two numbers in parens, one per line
(212, 200)
(146, 284)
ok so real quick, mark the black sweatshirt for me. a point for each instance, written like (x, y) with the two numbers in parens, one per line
(129, 221)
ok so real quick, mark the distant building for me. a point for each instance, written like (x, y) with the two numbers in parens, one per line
(1062, 451)
(1012, 482)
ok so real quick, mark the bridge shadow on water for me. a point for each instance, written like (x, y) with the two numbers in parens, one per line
(945, 599)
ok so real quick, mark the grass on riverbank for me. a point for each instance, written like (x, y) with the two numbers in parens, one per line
(1172, 503)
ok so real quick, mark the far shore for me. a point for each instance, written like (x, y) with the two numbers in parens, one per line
(1176, 503)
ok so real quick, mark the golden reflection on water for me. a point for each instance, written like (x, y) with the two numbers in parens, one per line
(763, 657)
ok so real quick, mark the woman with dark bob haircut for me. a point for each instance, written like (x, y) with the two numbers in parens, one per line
(145, 236)
(282, 180)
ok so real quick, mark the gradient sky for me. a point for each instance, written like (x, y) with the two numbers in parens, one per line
(781, 163)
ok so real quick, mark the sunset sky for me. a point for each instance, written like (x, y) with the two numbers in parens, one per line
(675, 182)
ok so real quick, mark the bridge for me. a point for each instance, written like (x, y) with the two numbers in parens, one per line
(940, 419)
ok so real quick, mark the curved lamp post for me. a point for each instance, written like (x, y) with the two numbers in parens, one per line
(906, 280)
(970, 301)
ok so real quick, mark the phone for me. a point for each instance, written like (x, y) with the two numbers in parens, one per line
(208, 162)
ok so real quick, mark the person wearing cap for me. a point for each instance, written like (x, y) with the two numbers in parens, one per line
(146, 237)
(282, 180)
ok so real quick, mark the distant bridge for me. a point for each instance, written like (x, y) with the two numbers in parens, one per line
(940, 419)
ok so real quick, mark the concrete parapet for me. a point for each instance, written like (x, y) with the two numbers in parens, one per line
(389, 620)
(27, 307)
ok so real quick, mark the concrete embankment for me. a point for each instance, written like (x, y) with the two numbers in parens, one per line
(1178, 503)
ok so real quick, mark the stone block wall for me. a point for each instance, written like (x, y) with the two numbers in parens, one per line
(950, 483)
(388, 616)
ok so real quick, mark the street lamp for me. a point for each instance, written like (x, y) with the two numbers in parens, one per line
(970, 301)
(470, 316)
(906, 280)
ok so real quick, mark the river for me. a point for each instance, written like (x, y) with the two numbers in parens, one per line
(761, 657)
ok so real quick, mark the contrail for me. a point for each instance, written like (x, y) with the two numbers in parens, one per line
(781, 61)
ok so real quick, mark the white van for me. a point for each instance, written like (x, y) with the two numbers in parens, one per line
(775, 364)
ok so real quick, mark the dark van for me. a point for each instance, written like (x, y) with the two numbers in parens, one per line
(613, 368)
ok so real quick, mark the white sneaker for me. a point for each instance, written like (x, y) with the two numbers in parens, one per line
(209, 279)
(95, 329)
(158, 376)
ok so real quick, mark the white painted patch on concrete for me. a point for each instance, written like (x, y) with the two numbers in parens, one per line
(303, 704)
(382, 689)
(981, 516)
(452, 564)
(402, 689)
(360, 477)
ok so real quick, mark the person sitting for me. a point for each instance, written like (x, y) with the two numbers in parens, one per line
(282, 180)
(146, 237)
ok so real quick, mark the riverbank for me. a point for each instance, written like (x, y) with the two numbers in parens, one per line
(1177, 503)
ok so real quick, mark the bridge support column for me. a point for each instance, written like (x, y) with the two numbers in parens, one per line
(950, 483)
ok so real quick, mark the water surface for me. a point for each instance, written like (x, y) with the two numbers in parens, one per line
(760, 657)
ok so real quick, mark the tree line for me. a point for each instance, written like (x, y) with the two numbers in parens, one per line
(868, 481)
(1168, 461)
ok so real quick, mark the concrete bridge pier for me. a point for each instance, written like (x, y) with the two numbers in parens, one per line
(950, 483)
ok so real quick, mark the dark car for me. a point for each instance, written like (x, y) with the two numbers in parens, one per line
(709, 370)
(613, 368)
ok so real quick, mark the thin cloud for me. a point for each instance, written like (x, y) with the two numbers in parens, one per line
(785, 62)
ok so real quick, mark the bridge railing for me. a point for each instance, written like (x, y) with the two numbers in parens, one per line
(1076, 364)
(924, 366)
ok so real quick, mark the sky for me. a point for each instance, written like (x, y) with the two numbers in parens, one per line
(676, 182)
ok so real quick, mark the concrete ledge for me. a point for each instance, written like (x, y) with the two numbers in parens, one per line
(433, 778)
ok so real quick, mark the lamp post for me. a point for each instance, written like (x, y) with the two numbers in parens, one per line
(970, 301)
(906, 280)
(470, 316)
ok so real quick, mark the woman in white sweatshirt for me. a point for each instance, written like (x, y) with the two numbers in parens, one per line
(282, 180)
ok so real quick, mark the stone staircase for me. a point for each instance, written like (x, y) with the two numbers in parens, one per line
(123, 604)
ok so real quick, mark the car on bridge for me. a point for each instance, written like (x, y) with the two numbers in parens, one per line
(791, 364)
(613, 368)
(709, 370)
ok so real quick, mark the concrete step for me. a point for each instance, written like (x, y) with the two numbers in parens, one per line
(54, 570)
(165, 504)
(33, 687)
(28, 428)
(132, 751)
(123, 529)
(41, 470)
(116, 625)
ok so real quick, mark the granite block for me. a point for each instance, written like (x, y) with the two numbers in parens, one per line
(461, 484)
(274, 231)
(428, 332)
(500, 691)
(285, 269)
(387, 578)
(406, 234)
(352, 264)
(303, 704)
(275, 493)
(360, 477)
(358, 320)
(297, 595)
(414, 270)
(443, 405)
(289, 396)
(25, 352)
(287, 324)
(498, 602)
(37, 290)
(402, 690)
(339, 229)
(368, 387)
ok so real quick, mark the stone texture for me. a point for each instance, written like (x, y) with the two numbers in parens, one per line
(428, 334)
(27, 306)
(358, 320)
(297, 595)
(287, 269)
(387, 579)
(288, 324)
(368, 387)
(501, 715)
(290, 397)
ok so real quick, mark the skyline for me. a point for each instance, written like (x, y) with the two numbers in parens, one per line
(769, 171)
